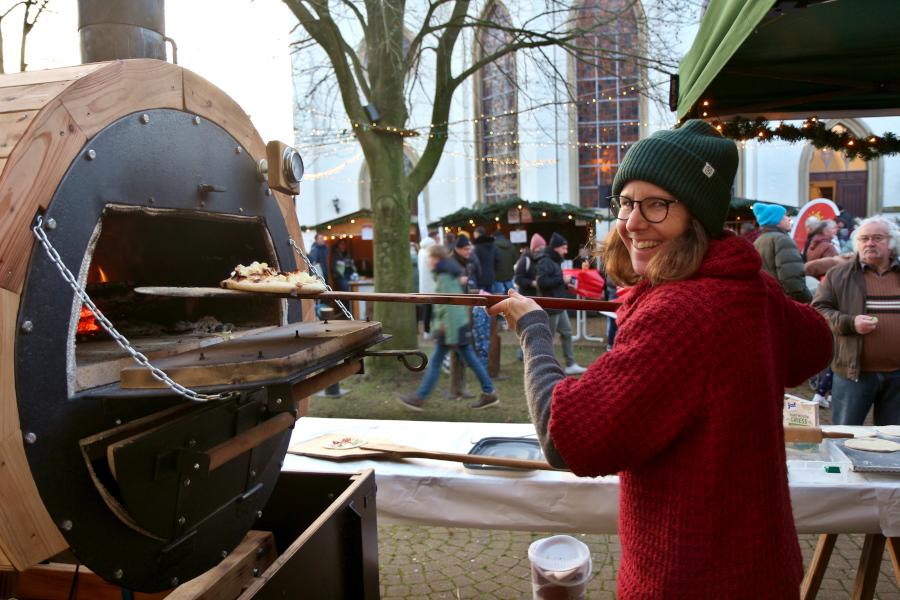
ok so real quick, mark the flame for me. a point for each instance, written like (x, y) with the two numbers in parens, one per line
(87, 324)
(103, 277)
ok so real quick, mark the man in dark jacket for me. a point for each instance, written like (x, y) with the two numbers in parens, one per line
(780, 256)
(486, 254)
(506, 261)
(318, 255)
(860, 299)
(551, 282)
(463, 254)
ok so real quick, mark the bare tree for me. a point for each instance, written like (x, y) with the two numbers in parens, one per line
(30, 15)
(375, 61)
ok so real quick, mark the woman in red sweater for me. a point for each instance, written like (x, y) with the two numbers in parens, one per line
(686, 408)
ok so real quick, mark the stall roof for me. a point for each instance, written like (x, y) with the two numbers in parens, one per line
(487, 212)
(792, 59)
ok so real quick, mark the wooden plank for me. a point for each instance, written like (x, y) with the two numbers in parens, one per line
(893, 545)
(27, 533)
(90, 374)
(208, 101)
(229, 578)
(9, 410)
(816, 571)
(121, 88)
(53, 582)
(48, 75)
(30, 97)
(31, 176)
(269, 355)
(12, 127)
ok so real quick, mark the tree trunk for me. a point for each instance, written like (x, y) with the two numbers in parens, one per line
(390, 213)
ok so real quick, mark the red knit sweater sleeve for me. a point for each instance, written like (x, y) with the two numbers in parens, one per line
(807, 338)
(633, 402)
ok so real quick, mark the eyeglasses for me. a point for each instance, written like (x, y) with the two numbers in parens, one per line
(654, 210)
(877, 238)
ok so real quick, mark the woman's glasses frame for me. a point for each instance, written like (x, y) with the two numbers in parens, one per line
(621, 207)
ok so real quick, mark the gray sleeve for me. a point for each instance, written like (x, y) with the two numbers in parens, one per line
(542, 373)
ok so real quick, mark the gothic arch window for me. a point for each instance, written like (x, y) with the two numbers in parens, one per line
(607, 96)
(498, 129)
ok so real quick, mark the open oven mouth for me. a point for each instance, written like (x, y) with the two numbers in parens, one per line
(135, 246)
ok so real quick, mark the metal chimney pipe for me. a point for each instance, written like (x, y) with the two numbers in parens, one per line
(113, 29)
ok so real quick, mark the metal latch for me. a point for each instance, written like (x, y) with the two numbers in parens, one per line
(402, 357)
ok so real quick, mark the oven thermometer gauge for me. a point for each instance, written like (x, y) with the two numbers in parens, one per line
(292, 165)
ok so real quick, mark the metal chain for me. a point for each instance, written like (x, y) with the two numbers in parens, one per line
(120, 339)
(315, 271)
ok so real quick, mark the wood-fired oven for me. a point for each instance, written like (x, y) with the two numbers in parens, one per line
(132, 173)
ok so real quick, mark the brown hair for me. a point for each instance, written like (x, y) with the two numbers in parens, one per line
(679, 261)
(437, 251)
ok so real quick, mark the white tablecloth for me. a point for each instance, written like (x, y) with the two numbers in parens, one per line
(432, 492)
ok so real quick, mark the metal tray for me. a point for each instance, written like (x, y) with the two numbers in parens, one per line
(508, 447)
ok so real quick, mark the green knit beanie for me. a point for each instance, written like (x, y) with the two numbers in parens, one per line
(694, 163)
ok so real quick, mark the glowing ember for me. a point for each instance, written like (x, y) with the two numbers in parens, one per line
(87, 324)
(103, 277)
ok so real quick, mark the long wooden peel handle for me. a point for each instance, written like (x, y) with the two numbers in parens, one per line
(469, 300)
(253, 437)
(472, 459)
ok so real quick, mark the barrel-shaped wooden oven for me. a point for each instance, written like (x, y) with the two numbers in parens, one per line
(137, 172)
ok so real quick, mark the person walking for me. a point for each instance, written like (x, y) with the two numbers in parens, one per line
(426, 282)
(525, 276)
(860, 299)
(551, 282)
(342, 269)
(464, 255)
(486, 254)
(779, 253)
(451, 330)
(506, 264)
(318, 257)
(685, 385)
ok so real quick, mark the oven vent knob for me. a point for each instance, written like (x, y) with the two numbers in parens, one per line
(284, 168)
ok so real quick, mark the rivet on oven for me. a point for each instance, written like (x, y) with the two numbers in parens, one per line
(66, 525)
(51, 223)
(91, 154)
(277, 401)
(174, 582)
(27, 326)
(195, 120)
(187, 482)
(252, 474)
(182, 520)
(241, 210)
(296, 334)
(30, 437)
(202, 356)
(268, 192)
(118, 421)
(260, 355)
(118, 574)
(260, 551)
(259, 514)
(145, 118)
(238, 149)
(256, 571)
(224, 554)
(192, 443)
(196, 466)
(151, 200)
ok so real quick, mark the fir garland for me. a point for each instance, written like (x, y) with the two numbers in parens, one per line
(814, 132)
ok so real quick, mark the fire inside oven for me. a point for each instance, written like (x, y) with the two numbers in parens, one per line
(138, 246)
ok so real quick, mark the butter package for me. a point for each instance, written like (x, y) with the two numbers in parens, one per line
(800, 412)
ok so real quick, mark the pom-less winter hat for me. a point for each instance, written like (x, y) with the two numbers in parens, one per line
(462, 241)
(556, 240)
(537, 242)
(694, 163)
(768, 214)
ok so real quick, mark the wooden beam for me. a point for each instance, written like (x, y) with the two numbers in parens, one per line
(817, 566)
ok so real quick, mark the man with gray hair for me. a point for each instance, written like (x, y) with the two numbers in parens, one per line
(861, 301)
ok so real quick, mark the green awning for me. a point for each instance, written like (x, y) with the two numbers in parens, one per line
(776, 59)
(485, 213)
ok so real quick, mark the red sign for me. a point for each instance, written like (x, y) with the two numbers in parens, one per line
(821, 209)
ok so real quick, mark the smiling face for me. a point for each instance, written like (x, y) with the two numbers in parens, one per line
(643, 239)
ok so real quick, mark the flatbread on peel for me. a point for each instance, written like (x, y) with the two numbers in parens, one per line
(260, 277)
(872, 445)
(343, 443)
(891, 430)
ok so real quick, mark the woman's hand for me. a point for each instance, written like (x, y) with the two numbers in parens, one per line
(514, 307)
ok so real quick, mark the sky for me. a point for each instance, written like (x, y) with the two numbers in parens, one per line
(241, 46)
